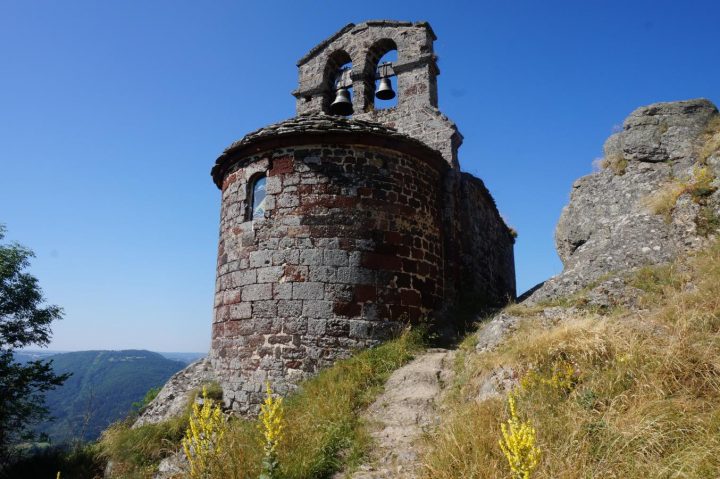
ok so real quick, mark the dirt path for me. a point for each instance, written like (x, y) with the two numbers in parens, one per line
(401, 414)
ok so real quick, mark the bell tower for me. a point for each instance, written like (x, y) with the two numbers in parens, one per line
(350, 59)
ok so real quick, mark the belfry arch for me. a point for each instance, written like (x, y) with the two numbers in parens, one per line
(416, 113)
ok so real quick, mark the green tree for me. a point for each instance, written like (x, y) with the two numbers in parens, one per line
(24, 320)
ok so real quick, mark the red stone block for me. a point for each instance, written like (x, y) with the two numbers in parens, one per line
(229, 180)
(347, 309)
(381, 261)
(365, 292)
(281, 166)
(393, 237)
(410, 297)
(409, 266)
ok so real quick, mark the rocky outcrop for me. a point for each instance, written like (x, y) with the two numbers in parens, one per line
(609, 224)
(173, 398)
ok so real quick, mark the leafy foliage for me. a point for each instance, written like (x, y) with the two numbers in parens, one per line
(152, 393)
(24, 320)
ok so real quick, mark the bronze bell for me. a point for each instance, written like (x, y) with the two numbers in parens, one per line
(385, 91)
(342, 104)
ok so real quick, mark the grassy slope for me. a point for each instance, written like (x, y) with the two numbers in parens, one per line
(323, 430)
(615, 395)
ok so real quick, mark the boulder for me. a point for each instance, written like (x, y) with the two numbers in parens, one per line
(608, 225)
(173, 398)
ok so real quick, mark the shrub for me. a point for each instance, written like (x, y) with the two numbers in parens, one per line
(136, 452)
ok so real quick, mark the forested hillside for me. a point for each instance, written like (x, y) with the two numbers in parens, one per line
(101, 390)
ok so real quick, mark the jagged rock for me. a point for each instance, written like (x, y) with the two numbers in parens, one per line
(494, 331)
(663, 132)
(499, 382)
(174, 466)
(608, 226)
(612, 293)
(173, 397)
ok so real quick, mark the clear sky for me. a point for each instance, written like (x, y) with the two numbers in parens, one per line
(113, 112)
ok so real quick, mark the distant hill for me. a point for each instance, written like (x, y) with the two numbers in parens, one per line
(186, 358)
(27, 355)
(101, 390)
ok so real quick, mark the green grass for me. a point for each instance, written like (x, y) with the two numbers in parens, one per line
(641, 402)
(323, 429)
(135, 453)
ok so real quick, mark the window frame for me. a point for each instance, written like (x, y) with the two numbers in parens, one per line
(250, 197)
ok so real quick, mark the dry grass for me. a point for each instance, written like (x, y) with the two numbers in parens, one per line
(616, 163)
(699, 187)
(323, 428)
(712, 140)
(663, 201)
(643, 402)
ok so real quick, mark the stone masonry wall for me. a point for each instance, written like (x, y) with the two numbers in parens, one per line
(487, 262)
(350, 249)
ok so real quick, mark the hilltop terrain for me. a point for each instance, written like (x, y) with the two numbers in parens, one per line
(613, 365)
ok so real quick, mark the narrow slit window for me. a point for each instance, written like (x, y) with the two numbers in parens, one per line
(257, 199)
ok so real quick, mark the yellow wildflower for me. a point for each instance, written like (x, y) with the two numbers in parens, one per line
(518, 444)
(271, 426)
(204, 439)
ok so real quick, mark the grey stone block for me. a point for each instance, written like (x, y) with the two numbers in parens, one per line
(257, 292)
(289, 309)
(259, 259)
(269, 274)
(308, 290)
(317, 309)
(335, 257)
(311, 257)
(282, 291)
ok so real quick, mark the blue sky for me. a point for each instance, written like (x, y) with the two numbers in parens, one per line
(112, 113)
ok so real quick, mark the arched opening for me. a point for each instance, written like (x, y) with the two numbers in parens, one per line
(337, 77)
(256, 198)
(382, 56)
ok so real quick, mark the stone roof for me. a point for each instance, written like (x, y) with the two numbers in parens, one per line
(330, 128)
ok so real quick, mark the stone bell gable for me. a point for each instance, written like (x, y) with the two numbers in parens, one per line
(336, 232)
(416, 70)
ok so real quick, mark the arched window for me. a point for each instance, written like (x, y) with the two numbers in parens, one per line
(256, 198)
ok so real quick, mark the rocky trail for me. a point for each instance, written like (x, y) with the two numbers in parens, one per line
(402, 414)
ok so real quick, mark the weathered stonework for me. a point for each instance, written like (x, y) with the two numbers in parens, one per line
(416, 113)
(366, 226)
